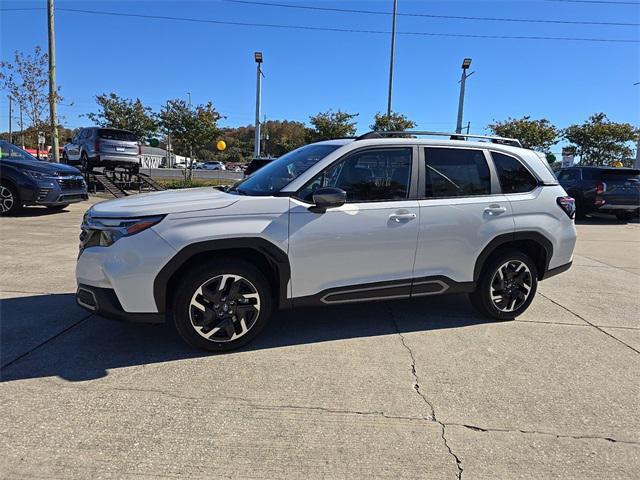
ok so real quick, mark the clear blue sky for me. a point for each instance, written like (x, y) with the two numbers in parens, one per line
(311, 71)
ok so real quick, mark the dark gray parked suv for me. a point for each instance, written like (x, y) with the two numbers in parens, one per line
(105, 147)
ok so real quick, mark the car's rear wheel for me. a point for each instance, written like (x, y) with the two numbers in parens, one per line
(507, 286)
(222, 305)
(84, 162)
(9, 200)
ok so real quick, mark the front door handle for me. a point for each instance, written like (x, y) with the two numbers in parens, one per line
(494, 209)
(402, 217)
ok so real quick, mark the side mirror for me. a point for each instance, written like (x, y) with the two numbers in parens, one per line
(324, 198)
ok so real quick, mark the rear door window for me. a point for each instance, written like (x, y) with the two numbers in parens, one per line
(111, 134)
(513, 176)
(456, 172)
(619, 176)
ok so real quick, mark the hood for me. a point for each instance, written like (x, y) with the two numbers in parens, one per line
(167, 201)
(54, 169)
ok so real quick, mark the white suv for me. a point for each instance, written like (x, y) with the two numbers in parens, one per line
(351, 220)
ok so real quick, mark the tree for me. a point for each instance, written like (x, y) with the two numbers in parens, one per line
(331, 124)
(281, 137)
(26, 80)
(124, 113)
(395, 122)
(600, 141)
(190, 128)
(534, 134)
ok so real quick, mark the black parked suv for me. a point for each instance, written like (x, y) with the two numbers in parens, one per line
(25, 180)
(603, 189)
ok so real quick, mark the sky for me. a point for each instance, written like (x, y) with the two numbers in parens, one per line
(308, 71)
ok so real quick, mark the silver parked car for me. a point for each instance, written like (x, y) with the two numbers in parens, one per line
(106, 147)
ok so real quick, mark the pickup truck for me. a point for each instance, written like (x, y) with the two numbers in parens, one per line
(603, 189)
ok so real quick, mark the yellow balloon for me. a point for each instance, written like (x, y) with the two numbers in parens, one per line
(221, 145)
(617, 164)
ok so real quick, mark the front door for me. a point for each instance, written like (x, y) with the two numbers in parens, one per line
(364, 249)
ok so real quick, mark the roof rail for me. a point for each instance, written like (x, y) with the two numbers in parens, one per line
(453, 136)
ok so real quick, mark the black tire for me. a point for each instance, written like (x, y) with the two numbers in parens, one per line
(211, 316)
(481, 298)
(84, 162)
(57, 207)
(9, 200)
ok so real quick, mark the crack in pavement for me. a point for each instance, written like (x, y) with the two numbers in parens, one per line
(587, 321)
(536, 432)
(416, 386)
(62, 332)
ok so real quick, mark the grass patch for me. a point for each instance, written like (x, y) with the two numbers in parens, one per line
(194, 182)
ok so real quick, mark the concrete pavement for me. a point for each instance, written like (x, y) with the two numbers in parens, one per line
(423, 389)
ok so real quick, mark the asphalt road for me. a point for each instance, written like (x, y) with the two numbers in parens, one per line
(422, 389)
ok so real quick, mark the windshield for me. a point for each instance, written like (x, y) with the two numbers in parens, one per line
(9, 151)
(272, 177)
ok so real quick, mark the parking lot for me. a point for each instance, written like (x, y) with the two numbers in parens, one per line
(421, 389)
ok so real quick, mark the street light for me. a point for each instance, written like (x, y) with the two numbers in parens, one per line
(258, 58)
(466, 63)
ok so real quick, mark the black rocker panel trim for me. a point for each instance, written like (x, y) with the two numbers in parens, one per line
(276, 257)
(381, 291)
(500, 240)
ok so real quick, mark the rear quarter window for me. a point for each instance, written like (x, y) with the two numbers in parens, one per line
(513, 175)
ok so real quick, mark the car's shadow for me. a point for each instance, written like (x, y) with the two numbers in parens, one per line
(84, 347)
(37, 212)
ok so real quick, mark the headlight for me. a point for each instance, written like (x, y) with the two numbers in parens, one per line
(37, 175)
(106, 231)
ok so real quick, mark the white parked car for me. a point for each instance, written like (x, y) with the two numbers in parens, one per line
(339, 221)
(213, 166)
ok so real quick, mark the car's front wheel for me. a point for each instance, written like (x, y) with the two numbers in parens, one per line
(507, 286)
(222, 305)
(9, 200)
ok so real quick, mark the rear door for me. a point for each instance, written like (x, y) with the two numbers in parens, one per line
(461, 211)
(73, 149)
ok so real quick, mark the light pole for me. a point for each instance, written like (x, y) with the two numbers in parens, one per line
(466, 63)
(10, 115)
(393, 49)
(190, 146)
(258, 58)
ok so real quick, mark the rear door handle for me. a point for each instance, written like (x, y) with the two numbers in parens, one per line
(494, 209)
(402, 217)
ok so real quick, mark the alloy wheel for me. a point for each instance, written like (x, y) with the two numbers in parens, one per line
(511, 285)
(224, 308)
(6, 199)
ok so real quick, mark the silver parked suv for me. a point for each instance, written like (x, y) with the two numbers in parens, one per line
(334, 222)
(106, 147)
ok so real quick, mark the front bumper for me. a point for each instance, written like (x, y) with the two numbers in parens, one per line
(56, 191)
(104, 302)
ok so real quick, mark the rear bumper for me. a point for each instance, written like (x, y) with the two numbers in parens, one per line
(618, 207)
(106, 159)
(556, 271)
(104, 302)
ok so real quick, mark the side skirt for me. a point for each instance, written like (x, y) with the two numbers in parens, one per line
(381, 291)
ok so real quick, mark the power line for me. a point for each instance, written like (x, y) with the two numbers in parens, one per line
(347, 30)
(425, 15)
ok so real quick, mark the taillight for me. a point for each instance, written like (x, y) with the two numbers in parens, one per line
(96, 145)
(601, 187)
(567, 204)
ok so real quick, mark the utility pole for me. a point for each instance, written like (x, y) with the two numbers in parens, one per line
(10, 114)
(393, 49)
(190, 146)
(52, 82)
(463, 81)
(21, 128)
(258, 58)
